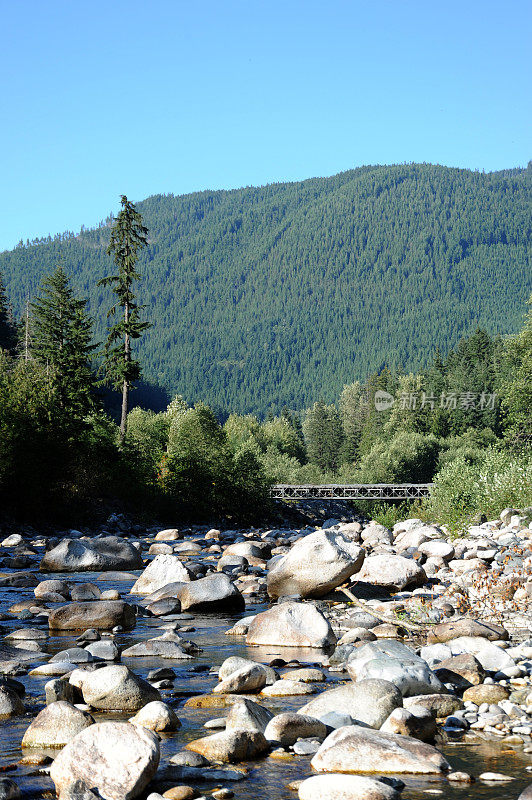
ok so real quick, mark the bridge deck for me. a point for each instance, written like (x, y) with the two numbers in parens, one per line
(355, 491)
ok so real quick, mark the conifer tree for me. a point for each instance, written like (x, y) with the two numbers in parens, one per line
(62, 342)
(128, 236)
(8, 332)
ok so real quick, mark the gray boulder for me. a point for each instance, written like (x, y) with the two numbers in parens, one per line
(291, 625)
(358, 749)
(345, 787)
(315, 565)
(164, 569)
(100, 614)
(391, 572)
(212, 594)
(107, 553)
(116, 688)
(56, 725)
(369, 702)
(115, 758)
(393, 661)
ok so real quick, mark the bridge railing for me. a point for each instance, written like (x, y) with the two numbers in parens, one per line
(354, 491)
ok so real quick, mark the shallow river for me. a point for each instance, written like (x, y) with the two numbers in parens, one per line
(268, 778)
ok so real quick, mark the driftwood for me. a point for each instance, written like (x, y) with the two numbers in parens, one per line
(411, 626)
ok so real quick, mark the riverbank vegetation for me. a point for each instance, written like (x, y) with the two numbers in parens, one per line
(464, 423)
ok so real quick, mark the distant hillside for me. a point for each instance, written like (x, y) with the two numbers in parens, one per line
(278, 295)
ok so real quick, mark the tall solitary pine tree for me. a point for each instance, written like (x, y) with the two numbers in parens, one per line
(62, 342)
(128, 236)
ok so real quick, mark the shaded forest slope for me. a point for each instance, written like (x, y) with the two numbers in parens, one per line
(276, 295)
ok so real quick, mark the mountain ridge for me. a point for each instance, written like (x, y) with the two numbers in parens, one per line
(277, 295)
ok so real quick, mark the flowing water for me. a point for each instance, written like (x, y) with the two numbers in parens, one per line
(267, 778)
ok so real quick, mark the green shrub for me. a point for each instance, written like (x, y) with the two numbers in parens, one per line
(463, 489)
(408, 457)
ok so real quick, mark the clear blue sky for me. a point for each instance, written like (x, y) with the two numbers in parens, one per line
(139, 97)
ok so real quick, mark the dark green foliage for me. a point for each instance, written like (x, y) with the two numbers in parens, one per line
(128, 237)
(323, 436)
(517, 387)
(8, 330)
(202, 476)
(61, 343)
(405, 458)
(273, 296)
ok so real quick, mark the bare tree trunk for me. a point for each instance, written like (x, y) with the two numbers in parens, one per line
(125, 385)
(123, 420)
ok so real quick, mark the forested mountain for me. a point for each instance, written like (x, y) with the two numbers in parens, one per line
(279, 295)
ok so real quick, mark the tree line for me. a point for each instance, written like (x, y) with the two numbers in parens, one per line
(60, 449)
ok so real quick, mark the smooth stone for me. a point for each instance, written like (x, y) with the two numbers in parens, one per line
(107, 553)
(345, 787)
(391, 572)
(358, 749)
(230, 746)
(249, 678)
(10, 703)
(119, 772)
(246, 715)
(164, 569)
(285, 729)
(100, 614)
(486, 693)
(157, 716)
(416, 721)
(116, 688)
(315, 565)
(56, 725)
(286, 688)
(291, 625)
(369, 702)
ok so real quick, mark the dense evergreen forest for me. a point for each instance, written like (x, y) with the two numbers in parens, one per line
(262, 298)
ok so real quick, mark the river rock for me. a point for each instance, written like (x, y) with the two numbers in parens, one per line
(246, 715)
(345, 787)
(439, 705)
(115, 758)
(157, 716)
(446, 631)
(315, 565)
(486, 693)
(56, 725)
(391, 572)
(107, 553)
(212, 594)
(116, 688)
(462, 671)
(416, 721)
(291, 625)
(164, 569)
(369, 702)
(285, 729)
(393, 661)
(10, 703)
(230, 746)
(491, 657)
(358, 749)
(100, 614)
(247, 679)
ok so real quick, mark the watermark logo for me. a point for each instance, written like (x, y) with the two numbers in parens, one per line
(410, 401)
(383, 400)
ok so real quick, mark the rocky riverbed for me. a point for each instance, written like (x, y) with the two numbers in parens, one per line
(337, 662)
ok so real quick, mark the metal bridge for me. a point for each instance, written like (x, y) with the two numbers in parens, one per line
(354, 491)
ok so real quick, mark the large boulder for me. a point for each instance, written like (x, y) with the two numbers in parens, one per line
(212, 594)
(157, 716)
(107, 553)
(116, 688)
(391, 572)
(345, 787)
(393, 661)
(56, 725)
(230, 746)
(358, 749)
(291, 625)
(115, 758)
(369, 702)
(164, 569)
(249, 678)
(315, 565)
(100, 614)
